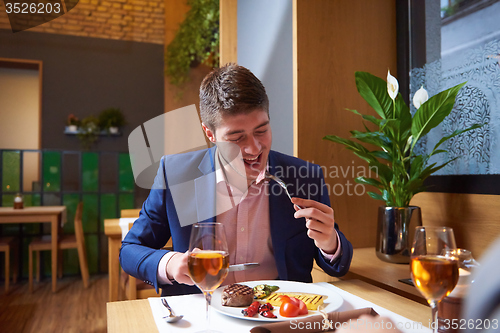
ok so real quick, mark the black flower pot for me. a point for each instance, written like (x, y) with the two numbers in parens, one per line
(395, 231)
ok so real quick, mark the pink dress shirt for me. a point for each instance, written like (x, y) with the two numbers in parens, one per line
(245, 216)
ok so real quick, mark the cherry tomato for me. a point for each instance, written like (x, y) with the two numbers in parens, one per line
(288, 309)
(268, 314)
(302, 306)
(284, 298)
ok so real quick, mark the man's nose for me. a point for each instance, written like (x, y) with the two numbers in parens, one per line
(253, 146)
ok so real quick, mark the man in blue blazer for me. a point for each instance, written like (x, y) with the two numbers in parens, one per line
(234, 109)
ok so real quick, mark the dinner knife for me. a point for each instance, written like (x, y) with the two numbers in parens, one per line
(242, 267)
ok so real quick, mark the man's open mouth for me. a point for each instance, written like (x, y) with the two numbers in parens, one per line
(252, 161)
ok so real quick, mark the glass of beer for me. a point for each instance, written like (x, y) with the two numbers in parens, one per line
(208, 259)
(434, 269)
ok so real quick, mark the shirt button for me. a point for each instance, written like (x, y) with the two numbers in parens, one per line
(241, 258)
(242, 229)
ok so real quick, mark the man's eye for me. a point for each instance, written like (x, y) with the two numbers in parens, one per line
(235, 139)
(261, 132)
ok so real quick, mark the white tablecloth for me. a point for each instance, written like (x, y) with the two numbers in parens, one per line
(193, 309)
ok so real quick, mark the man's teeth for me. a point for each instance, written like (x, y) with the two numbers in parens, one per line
(251, 159)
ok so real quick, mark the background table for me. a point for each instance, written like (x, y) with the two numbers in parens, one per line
(114, 232)
(136, 316)
(368, 267)
(55, 215)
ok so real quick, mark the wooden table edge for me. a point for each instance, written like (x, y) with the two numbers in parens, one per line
(140, 308)
(392, 302)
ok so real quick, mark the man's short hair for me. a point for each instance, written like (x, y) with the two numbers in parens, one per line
(230, 90)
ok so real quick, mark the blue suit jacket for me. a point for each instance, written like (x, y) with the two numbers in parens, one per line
(294, 251)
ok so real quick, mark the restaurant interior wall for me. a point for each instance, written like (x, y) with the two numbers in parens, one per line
(180, 96)
(102, 180)
(132, 20)
(333, 40)
(83, 76)
(265, 46)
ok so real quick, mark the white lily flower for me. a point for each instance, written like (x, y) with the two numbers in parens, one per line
(392, 85)
(420, 97)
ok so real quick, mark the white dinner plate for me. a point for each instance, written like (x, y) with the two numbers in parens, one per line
(332, 302)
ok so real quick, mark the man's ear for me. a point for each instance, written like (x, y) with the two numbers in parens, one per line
(209, 133)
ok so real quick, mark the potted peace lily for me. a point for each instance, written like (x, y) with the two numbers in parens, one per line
(401, 171)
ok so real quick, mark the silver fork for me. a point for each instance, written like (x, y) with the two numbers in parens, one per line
(282, 184)
(171, 317)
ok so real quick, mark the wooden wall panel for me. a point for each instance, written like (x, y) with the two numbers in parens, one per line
(228, 31)
(333, 39)
(475, 218)
(175, 97)
(175, 13)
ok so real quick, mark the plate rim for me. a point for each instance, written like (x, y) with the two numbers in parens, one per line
(328, 292)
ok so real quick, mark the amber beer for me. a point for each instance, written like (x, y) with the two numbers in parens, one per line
(435, 276)
(208, 268)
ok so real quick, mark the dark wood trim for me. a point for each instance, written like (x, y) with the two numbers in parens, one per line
(20, 63)
(403, 48)
(472, 184)
(418, 50)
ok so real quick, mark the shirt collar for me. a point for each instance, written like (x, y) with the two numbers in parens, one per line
(221, 172)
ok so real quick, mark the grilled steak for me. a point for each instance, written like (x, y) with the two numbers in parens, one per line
(237, 295)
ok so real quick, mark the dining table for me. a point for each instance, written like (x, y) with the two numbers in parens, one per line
(55, 215)
(115, 230)
(137, 315)
(366, 266)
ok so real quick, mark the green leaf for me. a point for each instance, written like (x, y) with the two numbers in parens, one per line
(374, 90)
(358, 149)
(387, 198)
(412, 185)
(455, 133)
(439, 151)
(367, 117)
(416, 166)
(375, 138)
(383, 172)
(346, 142)
(427, 171)
(432, 113)
(381, 154)
(369, 181)
(375, 196)
(365, 156)
(432, 170)
(404, 116)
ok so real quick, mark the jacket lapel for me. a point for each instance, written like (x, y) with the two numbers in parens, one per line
(205, 188)
(278, 202)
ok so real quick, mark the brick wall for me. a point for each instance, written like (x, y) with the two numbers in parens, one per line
(133, 20)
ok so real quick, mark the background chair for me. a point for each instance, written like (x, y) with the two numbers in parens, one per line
(130, 212)
(137, 289)
(75, 241)
(6, 245)
(130, 287)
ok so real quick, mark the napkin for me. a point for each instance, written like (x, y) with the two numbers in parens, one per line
(308, 323)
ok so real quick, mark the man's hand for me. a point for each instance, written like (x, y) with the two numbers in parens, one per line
(319, 221)
(177, 268)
